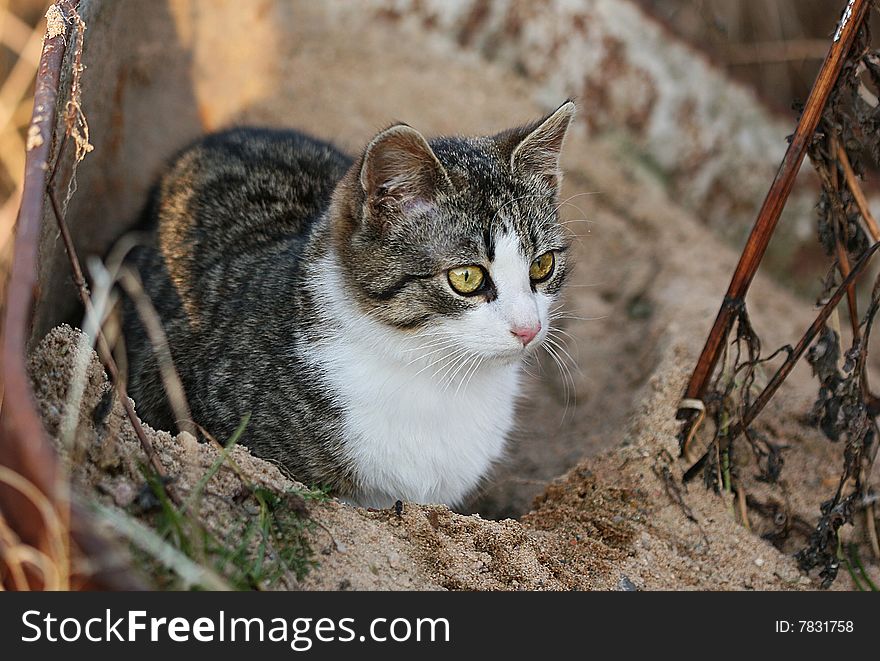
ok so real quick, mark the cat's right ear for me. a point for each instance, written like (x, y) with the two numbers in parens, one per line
(535, 149)
(400, 172)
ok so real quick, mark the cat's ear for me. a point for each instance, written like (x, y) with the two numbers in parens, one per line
(400, 171)
(535, 149)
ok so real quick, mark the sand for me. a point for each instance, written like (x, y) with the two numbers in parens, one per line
(586, 532)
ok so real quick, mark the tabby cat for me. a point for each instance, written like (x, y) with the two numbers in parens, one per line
(370, 314)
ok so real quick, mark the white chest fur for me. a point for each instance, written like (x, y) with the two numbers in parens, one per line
(411, 435)
(411, 438)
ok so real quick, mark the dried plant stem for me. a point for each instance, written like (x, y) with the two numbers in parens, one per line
(852, 183)
(148, 316)
(12, 560)
(761, 401)
(15, 34)
(21, 76)
(741, 500)
(54, 565)
(24, 446)
(794, 354)
(771, 209)
(838, 223)
(25, 42)
(104, 352)
(871, 528)
(852, 304)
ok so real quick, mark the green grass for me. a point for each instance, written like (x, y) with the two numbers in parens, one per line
(855, 567)
(267, 538)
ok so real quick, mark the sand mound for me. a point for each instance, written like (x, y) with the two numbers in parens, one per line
(586, 533)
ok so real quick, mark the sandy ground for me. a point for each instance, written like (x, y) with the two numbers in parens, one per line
(585, 471)
(606, 525)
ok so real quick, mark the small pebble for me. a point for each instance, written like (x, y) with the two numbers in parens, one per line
(626, 585)
(187, 440)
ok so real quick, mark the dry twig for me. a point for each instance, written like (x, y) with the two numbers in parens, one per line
(771, 210)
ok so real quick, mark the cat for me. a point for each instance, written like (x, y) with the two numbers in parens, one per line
(371, 314)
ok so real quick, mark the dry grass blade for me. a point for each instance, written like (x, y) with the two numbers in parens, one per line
(871, 528)
(852, 183)
(25, 42)
(15, 34)
(11, 559)
(54, 565)
(104, 352)
(840, 242)
(134, 289)
(145, 538)
(22, 75)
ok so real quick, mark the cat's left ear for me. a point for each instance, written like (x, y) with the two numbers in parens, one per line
(400, 171)
(539, 150)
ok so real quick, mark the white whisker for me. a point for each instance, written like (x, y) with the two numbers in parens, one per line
(567, 380)
(558, 346)
(571, 316)
(466, 379)
(451, 377)
(445, 347)
(453, 359)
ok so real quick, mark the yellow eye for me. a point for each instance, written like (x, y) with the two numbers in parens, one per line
(542, 267)
(466, 279)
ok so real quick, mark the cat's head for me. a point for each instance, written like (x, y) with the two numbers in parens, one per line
(457, 239)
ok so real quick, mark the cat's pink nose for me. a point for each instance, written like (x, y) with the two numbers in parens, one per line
(526, 334)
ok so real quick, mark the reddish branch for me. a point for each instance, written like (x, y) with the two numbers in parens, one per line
(838, 223)
(852, 183)
(772, 207)
(24, 445)
(794, 355)
(804, 343)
